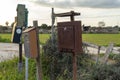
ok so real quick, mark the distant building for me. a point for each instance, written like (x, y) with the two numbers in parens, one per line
(109, 29)
(5, 29)
(104, 30)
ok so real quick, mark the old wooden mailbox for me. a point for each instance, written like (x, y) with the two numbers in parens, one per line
(30, 43)
(70, 36)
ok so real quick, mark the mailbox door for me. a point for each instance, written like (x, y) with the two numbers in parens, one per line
(70, 36)
(66, 37)
(31, 48)
(33, 44)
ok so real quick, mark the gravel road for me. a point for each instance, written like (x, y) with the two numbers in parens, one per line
(10, 50)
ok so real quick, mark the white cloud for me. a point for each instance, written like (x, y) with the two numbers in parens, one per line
(80, 3)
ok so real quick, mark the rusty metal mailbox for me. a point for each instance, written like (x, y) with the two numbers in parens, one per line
(30, 43)
(70, 36)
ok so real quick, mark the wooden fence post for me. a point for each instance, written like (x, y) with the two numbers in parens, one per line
(108, 51)
(38, 61)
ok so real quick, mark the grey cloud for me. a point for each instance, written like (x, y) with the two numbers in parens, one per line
(80, 3)
(99, 3)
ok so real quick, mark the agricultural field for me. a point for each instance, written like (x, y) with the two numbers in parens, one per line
(7, 38)
(99, 39)
(102, 39)
(86, 67)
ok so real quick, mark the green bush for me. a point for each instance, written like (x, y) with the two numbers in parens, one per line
(58, 65)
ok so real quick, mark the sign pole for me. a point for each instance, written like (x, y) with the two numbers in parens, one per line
(52, 39)
(74, 67)
(26, 68)
(21, 13)
(74, 58)
(52, 27)
(20, 57)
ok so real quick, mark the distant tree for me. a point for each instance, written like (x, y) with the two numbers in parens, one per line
(6, 23)
(44, 26)
(12, 24)
(101, 24)
(49, 27)
(116, 26)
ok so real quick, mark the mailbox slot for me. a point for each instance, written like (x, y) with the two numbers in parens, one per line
(70, 36)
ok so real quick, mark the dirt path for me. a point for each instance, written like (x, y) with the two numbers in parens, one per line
(10, 50)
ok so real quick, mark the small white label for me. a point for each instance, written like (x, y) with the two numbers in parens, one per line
(18, 31)
(65, 28)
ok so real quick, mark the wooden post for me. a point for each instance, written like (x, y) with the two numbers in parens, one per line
(74, 57)
(38, 62)
(98, 55)
(108, 51)
(74, 67)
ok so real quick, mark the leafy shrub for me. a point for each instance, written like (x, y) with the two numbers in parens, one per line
(58, 65)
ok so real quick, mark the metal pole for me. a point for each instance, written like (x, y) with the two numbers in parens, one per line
(52, 38)
(20, 57)
(52, 27)
(26, 68)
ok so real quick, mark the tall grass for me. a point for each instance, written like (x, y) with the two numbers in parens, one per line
(9, 70)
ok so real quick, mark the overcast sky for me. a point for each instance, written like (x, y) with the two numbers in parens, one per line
(81, 3)
(92, 11)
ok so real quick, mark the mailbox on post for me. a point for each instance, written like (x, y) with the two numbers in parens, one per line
(70, 36)
(30, 43)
